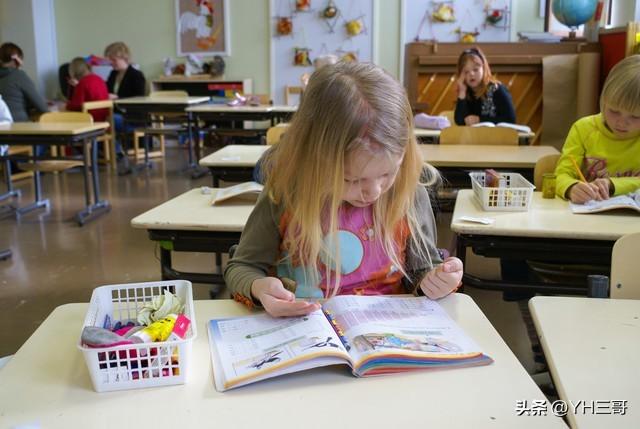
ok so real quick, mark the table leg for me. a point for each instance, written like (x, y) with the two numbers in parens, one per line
(39, 202)
(197, 171)
(5, 254)
(7, 177)
(99, 207)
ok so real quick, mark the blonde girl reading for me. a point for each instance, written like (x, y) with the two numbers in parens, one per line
(480, 96)
(605, 147)
(342, 190)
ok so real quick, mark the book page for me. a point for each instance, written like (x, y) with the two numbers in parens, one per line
(517, 127)
(631, 201)
(399, 325)
(246, 349)
(484, 124)
(250, 188)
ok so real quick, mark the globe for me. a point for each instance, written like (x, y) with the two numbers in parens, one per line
(573, 13)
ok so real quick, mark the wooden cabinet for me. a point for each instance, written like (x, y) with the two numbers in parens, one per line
(203, 85)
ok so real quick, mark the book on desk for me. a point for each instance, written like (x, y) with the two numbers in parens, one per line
(246, 190)
(517, 127)
(629, 201)
(374, 335)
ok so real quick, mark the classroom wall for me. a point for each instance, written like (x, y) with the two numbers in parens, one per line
(148, 26)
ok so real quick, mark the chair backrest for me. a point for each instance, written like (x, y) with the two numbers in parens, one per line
(546, 164)
(625, 273)
(479, 135)
(176, 94)
(289, 91)
(274, 134)
(449, 115)
(51, 117)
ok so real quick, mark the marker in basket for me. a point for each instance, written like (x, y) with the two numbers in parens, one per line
(493, 179)
(575, 165)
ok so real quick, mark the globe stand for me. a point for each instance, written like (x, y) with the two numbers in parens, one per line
(572, 36)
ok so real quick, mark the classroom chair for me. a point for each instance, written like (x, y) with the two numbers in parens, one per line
(546, 164)
(624, 271)
(108, 139)
(274, 134)
(479, 135)
(449, 115)
(11, 176)
(158, 128)
(53, 165)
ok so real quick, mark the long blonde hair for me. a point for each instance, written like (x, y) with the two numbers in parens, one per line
(346, 107)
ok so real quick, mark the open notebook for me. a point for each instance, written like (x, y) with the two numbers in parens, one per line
(629, 201)
(246, 190)
(519, 128)
(373, 335)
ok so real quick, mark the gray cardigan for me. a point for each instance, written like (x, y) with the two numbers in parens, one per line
(20, 94)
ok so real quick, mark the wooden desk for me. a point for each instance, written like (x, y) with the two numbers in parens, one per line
(204, 85)
(47, 383)
(59, 134)
(189, 223)
(233, 114)
(591, 346)
(143, 112)
(235, 162)
(433, 136)
(548, 231)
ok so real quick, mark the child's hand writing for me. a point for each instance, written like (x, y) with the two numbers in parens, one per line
(277, 300)
(443, 279)
(581, 192)
(604, 187)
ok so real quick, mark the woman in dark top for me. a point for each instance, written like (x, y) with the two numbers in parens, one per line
(124, 81)
(481, 97)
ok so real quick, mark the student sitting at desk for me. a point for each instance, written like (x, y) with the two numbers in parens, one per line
(344, 192)
(481, 97)
(87, 87)
(605, 147)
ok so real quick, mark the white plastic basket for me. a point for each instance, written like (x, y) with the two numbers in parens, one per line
(140, 365)
(514, 196)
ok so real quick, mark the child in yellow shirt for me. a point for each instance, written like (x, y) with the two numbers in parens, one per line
(605, 146)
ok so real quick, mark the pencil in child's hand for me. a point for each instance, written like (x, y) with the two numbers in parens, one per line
(575, 165)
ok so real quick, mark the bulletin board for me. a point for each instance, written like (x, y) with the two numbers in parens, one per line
(456, 21)
(313, 31)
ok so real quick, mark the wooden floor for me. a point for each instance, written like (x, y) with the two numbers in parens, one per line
(56, 262)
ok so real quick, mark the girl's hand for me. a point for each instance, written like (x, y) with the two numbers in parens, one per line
(113, 97)
(604, 188)
(581, 192)
(462, 87)
(71, 81)
(443, 279)
(471, 120)
(278, 301)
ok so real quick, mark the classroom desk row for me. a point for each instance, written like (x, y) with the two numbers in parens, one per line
(433, 136)
(57, 134)
(46, 384)
(234, 163)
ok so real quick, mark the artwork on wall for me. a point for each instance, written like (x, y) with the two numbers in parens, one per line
(202, 27)
(316, 29)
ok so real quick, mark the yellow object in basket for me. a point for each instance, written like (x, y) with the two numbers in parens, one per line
(157, 331)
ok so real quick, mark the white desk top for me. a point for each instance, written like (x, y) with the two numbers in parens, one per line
(592, 348)
(469, 156)
(48, 383)
(58, 128)
(550, 218)
(193, 211)
(162, 100)
(423, 132)
(223, 108)
(234, 156)
(484, 156)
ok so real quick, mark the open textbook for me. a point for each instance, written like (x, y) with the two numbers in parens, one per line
(629, 201)
(519, 128)
(248, 190)
(374, 335)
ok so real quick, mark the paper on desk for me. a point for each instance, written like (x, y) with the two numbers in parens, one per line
(481, 220)
(231, 158)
